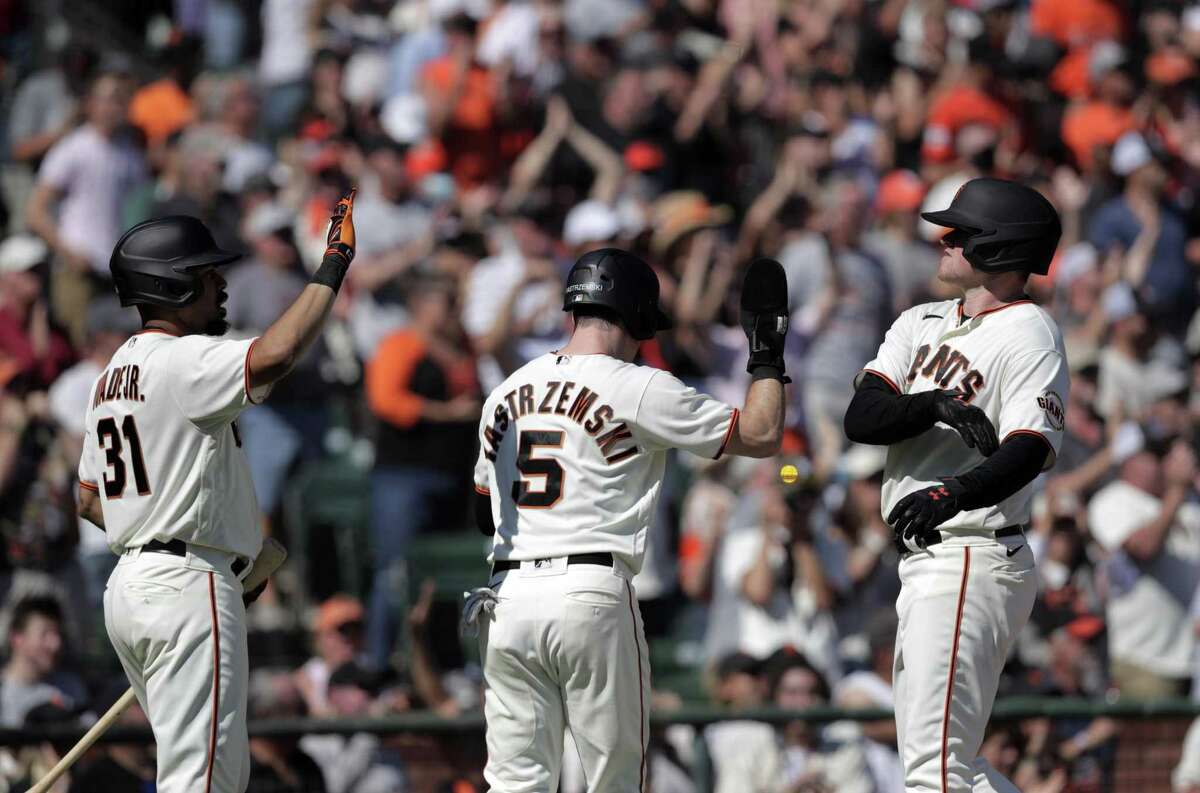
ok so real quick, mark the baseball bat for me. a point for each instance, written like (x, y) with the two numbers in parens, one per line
(269, 559)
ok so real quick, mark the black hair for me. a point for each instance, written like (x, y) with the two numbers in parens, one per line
(35, 605)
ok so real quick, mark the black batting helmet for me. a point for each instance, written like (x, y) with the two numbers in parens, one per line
(154, 263)
(622, 283)
(1011, 226)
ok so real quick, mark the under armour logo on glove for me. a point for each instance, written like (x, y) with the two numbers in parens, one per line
(919, 513)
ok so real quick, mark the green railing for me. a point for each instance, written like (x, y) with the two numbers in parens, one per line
(699, 716)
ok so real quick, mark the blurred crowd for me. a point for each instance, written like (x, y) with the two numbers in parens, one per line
(492, 142)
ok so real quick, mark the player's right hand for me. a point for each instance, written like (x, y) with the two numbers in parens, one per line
(340, 242)
(969, 421)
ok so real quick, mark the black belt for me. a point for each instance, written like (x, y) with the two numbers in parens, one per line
(179, 548)
(935, 536)
(604, 559)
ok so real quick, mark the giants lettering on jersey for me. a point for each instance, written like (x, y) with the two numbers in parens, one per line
(120, 382)
(560, 399)
(945, 364)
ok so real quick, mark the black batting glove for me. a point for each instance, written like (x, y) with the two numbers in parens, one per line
(922, 511)
(340, 244)
(969, 421)
(253, 594)
(764, 317)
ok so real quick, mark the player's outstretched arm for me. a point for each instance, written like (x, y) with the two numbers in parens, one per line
(290, 336)
(759, 429)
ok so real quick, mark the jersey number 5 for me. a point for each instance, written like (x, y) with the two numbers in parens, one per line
(110, 442)
(544, 467)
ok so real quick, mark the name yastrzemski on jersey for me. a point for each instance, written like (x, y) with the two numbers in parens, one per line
(560, 398)
(943, 367)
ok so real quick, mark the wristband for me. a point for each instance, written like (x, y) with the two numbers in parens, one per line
(332, 270)
(765, 371)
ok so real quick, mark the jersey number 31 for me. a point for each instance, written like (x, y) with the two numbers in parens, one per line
(544, 467)
(110, 442)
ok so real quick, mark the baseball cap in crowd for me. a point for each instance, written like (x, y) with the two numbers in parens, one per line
(352, 674)
(1169, 67)
(899, 191)
(682, 212)
(862, 461)
(269, 218)
(737, 663)
(403, 118)
(339, 610)
(1077, 261)
(1119, 302)
(591, 221)
(365, 77)
(1130, 153)
(21, 252)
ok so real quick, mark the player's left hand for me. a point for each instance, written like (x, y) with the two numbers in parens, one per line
(920, 512)
(764, 315)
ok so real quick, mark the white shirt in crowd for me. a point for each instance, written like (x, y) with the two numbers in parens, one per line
(1148, 603)
(94, 175)
(539, 303)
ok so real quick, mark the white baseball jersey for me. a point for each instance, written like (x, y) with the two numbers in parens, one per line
(572, 450)
(1009, 361)
(161, 447)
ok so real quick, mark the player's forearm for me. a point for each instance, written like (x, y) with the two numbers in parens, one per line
(290, 336)
(759, 430)
(1015, 464)
(878, 415)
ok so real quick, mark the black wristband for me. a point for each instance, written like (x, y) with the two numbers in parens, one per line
(766, 372)
(331, 272)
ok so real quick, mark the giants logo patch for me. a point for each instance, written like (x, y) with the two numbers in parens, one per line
(1052, 404)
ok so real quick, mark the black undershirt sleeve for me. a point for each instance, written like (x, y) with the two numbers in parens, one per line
(878, 415)
(483, 514)
(1015, 464)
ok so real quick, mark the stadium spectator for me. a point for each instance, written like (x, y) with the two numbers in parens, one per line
(741, 751)
(1152, 537)
(422, 387)
(1149, 231)
(359, 763)
(33, 351)
(33, 674)
(76, 205)
(872, 688)
(812, 755)
(338, 639)
(278, 764)
(116, 767)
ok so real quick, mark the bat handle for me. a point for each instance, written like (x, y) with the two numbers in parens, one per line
(90, 737)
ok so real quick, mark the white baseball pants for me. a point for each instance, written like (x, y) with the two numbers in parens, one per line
(179, 627)
(961, 607)
(564, 647)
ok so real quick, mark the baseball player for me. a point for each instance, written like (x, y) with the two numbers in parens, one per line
(162, 472)
(968, 395)
(572, 449)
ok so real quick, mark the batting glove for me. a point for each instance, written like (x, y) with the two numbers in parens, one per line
(340, 240)
(764, 315)
(969, 421)
(920, 512)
